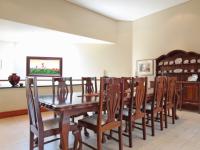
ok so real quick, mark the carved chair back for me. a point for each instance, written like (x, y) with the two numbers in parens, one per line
(62, 89)
(127, 81)
(171, 90)
(89, 85)
(159, 92)
(34, 112)
(140, 88)
(111, 95)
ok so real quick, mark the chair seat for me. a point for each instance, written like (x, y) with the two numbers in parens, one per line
(93, 119)
(53, 123)
(125, 112)
(148, 106)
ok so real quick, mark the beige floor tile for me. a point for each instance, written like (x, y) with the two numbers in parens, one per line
(184, 135)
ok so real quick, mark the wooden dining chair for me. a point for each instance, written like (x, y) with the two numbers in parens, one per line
(110, 100)
(62, 80)
(137, 106)
(155, 106)
(39, 128)
(169, 103)
(89, 85)
(61, 87)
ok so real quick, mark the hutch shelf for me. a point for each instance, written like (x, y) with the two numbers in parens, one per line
(182, 64)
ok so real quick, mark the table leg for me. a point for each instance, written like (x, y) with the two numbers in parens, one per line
(176, 105)
(64, 131)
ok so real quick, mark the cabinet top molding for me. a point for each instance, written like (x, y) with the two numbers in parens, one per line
(177, 52)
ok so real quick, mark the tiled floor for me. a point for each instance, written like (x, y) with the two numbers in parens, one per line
(184, 135)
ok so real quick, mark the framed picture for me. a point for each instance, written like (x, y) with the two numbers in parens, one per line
(44, 66)
(145, 67)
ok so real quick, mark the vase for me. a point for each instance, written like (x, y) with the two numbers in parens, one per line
(13, 79)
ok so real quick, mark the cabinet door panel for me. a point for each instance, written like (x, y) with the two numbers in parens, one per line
(190, 92)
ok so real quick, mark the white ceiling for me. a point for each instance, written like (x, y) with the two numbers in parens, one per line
(128, 10)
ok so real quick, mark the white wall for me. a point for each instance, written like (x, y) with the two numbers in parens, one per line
(78, 59)
(160, 33)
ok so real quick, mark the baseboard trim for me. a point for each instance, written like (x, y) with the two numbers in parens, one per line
(15, 113)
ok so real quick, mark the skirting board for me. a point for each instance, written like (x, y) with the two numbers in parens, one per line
(15, 113)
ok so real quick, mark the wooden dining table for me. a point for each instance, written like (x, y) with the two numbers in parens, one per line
(74, 104)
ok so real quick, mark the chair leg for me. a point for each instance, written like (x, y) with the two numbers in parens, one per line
(147, 121)
(86, 133)
(161, 120)
(130, 133)
(173, 115)
(103, 138)
(165, 113)
(110, 136)
(77, 139)
(40, 142)
(126, 126)
(99, 140)
(120, 138)
(152, 124)
(144, 128)
(31, 146)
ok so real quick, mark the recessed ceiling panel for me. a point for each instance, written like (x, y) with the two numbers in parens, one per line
(128, 10)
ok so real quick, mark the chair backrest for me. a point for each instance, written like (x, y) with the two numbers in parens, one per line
(140, 88)
(34, 112)
(89, 85)
(111, 96)
(127, 81)
(61, 90)
(171, 89)
(159, 92)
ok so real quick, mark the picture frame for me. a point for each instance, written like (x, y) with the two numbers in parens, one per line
(145, 67)
(44, 66)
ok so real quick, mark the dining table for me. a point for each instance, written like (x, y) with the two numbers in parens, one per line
(73, 105)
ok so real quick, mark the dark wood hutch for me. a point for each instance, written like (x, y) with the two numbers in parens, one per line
(182, 64)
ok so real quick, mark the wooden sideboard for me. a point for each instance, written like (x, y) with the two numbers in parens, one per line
(189, 93)
(182, 64)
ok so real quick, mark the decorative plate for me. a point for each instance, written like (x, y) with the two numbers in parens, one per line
(178, 70)
(171, 62)
(166, 63)
(192, 61)
(178, 60)
(192, 70)
(186, 61)
(160, 63)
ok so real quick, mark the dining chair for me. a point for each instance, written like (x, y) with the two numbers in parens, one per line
(169, 102)
(155, 106)
(137, 107)
(65, 80)
(41, 129)
(110, 100)
(89, 87)
(135, 104)
(61, 87)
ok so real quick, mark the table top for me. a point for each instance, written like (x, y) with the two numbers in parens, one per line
(73, 100)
